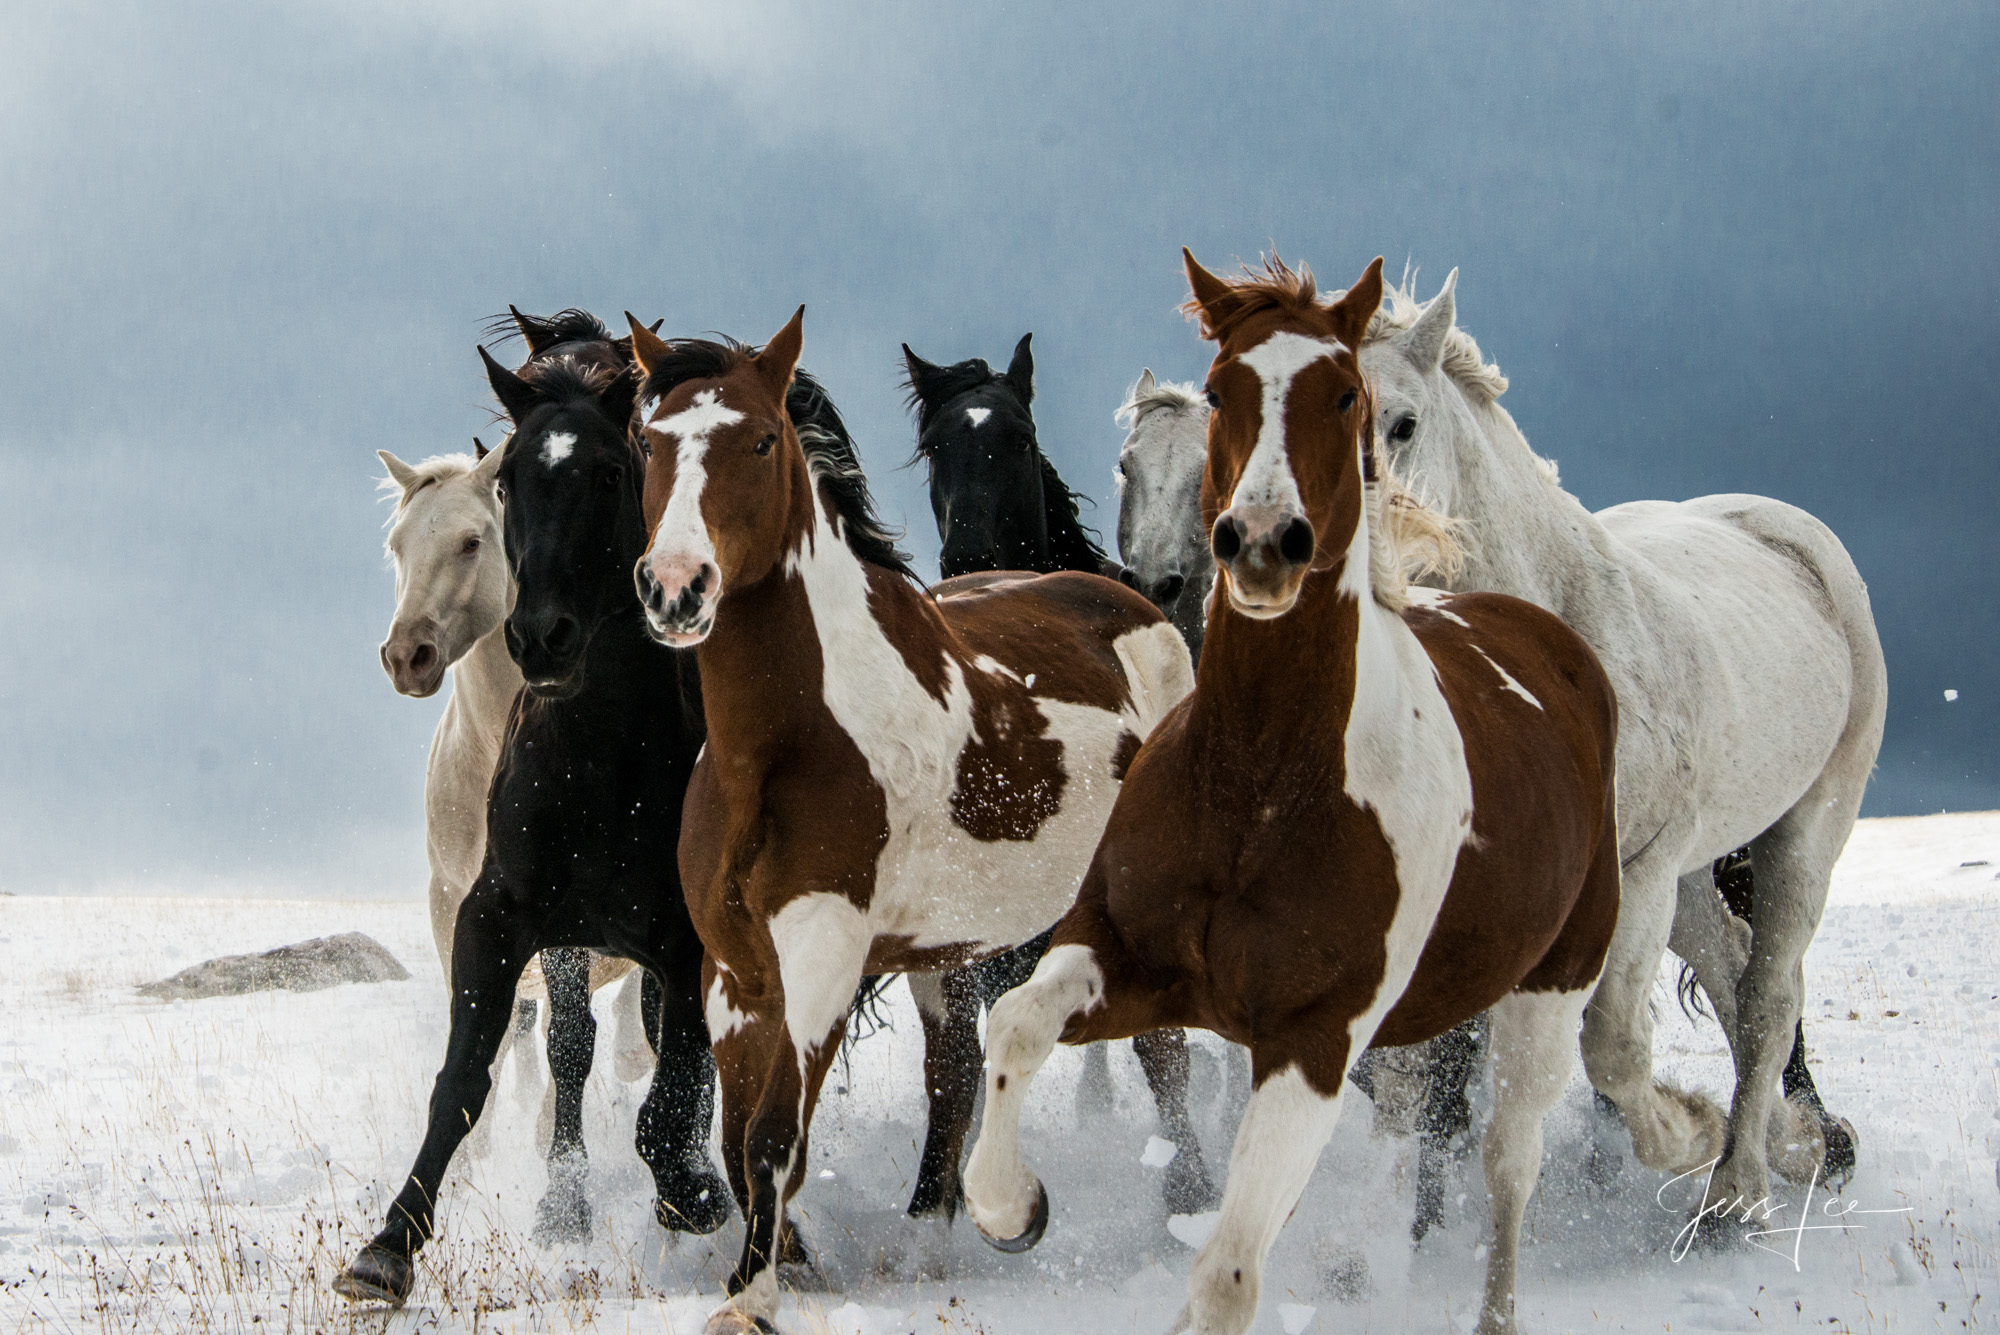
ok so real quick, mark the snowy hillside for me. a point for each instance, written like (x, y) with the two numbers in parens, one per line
(209, 1165)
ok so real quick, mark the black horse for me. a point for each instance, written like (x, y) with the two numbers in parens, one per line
(1000, 505)
(583, 822)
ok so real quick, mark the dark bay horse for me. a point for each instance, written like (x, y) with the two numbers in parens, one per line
(1001, 505)
(584, 815)
(1374, 817)
(895, 780)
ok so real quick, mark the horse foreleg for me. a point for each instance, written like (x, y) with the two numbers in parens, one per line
(1287, 1124)
(1163, 1055)
(948, 1005)
(821, 942)
(674, 1120)
(1445, 1120)
(563, 1213)
(1534, 1051)
(488, 952)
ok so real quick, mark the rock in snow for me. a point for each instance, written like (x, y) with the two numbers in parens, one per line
(324, 961)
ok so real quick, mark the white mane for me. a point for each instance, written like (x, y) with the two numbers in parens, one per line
(437, 468)
(1181, 397)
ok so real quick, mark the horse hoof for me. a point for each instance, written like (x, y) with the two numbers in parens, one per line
(701, 1207)
(1841, 1144)
(561, 1217)
(729, 1321)
(378, 1275)
(934, 1200)
(1188, 1189)
(1029, 1236)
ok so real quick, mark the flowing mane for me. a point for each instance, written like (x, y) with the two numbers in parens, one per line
(1073, 546)
(437, 468)
(829, 449)
(1463, 362)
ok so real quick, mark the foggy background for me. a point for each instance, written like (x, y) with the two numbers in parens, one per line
(1727, 248)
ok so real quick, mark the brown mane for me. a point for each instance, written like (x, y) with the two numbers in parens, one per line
(1272, 286)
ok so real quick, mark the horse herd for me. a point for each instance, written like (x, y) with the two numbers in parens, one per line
(1258, 778)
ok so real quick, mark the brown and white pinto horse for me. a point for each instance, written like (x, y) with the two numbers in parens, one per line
(1374, 818)
(895, 781)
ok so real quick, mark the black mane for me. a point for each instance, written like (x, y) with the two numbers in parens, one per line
(567, 326)
(829, 449)
(1073, 546)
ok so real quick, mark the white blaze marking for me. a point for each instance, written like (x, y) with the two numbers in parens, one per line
(1267, 479)
(681, 527)
(1507, 679)
(556, 447)
(978, 416)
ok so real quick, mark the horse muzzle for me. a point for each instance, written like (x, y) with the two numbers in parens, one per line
(548, 648)
(678, 594)
(414, 660)
(1265, 551)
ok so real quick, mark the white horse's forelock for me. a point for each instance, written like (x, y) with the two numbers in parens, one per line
(1179, 396)
(432, 471)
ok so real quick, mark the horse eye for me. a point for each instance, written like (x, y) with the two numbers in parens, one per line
(1346, 401)
(764, 445)
(471, 546)
(645, 446)
(1405, 428)
(1213, 401)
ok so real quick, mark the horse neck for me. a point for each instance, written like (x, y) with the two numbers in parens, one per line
(1247, 681)
(485, 681)
(1529, 537)
(1069, 545)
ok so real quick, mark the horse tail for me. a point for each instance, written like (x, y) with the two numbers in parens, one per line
(1158, 673)
(1694, 1002)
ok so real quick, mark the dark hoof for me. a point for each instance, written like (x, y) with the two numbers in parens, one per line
(700, 1205)
(1187, 1188)
(378, 1275)
(792, 1249)
(1840, 1150)
(935, 1198)
(562, 1215)
(1032, 1235)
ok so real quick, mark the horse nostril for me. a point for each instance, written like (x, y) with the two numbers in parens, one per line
(1226, 540)
(562, 636)
(1296, 544)
(1170, 587)
(423, 658)
(1129, 578)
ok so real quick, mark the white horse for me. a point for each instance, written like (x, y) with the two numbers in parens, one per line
(453, 590)
(1751, 690)
(1161, 538)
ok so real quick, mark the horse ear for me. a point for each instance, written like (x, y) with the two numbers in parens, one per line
(479, 450)
(489, 460)
(399, 472)
(922, 375)
(1211, 298)
(516, 395)
(1423, 342)
(1021, 372)
(533, 332)
(1146, 383)
(1354, 310)
(780, 356)
(619, 397)
(648, 348)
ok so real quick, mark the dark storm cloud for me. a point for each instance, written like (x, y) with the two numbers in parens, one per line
(1731, 248)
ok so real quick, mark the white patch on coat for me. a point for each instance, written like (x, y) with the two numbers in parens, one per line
(723, 1017)
(682, 531)
(1267, 478)
(822, 944)
(1406, 764)
(978, 416)
(1002, 891)
(556, 447)
(1433, 600)
(1507, 678)
(989, 664)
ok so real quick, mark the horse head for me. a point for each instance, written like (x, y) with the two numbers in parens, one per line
(989, 478)
(1290, 438)
(451, 571)
(569, 480)
(1161, 537)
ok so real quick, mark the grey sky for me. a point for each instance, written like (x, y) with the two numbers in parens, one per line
(1732, 248)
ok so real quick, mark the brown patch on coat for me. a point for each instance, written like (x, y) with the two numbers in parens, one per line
(1010, 775)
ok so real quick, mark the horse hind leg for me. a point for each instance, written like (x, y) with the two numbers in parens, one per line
(1534, 1041)
(672, 1132)
(563, 1213)
(1444, 1123)
(948, 1005)
(1163, 1054)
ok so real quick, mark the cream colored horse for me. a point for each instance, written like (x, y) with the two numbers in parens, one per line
(452, 594)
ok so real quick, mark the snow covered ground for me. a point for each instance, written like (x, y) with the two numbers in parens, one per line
(209, 1165)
